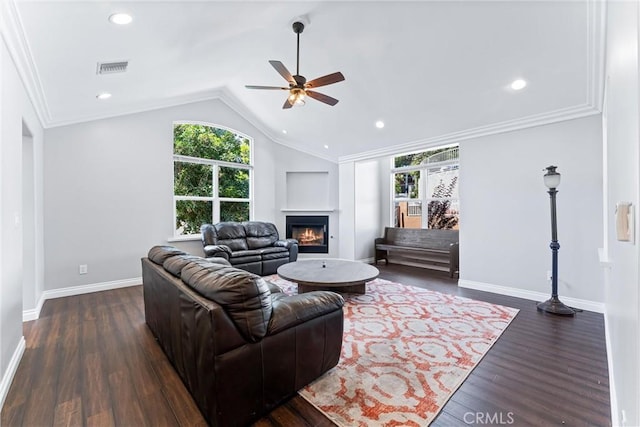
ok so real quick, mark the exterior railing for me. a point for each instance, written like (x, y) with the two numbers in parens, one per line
(443, 156)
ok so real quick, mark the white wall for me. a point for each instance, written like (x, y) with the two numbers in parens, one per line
(14, 109)
(347, 197)
(505, 227)
(368, 196)
(621, 183)
(277, 161)
(109, 189)
(28, 222)
(364, 205)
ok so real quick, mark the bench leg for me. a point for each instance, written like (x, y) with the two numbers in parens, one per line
(380, 254)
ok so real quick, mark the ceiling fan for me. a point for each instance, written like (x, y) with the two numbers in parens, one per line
(299, 87)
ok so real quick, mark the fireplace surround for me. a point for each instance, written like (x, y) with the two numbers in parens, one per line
(311, 232)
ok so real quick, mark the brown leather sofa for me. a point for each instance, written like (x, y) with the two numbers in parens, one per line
(238, 343)
(254, 246)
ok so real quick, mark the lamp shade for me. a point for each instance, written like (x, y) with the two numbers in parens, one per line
(552, 178)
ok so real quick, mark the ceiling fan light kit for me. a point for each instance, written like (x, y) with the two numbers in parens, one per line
(298, 84)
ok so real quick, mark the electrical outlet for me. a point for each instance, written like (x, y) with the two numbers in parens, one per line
(549, 276)
(82, 269)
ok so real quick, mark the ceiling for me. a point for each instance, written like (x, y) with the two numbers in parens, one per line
(433, 71)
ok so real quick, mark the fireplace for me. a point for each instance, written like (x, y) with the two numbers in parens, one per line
(311, 232)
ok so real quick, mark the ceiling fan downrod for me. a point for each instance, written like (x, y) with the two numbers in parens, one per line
(298, 27)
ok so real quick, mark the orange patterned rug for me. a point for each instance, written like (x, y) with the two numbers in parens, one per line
(406, 350)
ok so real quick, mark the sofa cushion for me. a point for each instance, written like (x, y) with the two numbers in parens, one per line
(244, 296)
(175, 264)
(245, 259)
(241, 257)
(249, 252)
(260, 234)
(231, 234)
(274, 253)
(159, 254)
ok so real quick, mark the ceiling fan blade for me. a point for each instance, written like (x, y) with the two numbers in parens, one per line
(287, 104)
(322, 97)
(325, 80)
(266, 87)
(280, 68)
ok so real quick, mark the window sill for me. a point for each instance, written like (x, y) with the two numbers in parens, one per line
(191, 237)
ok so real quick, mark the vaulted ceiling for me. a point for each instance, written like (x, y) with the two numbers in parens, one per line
(433, 71)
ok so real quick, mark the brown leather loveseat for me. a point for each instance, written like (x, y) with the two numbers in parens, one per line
(238, 343)
(254, 246)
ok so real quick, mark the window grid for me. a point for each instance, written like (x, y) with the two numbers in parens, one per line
(214, 199)
(423, 202)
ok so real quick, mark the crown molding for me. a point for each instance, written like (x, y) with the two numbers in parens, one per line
(14, 38)
(564, 114)
(209, 95)
(13, 34)
(596, 44)
(232, 102)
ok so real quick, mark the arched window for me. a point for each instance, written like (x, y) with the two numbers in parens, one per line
(212, 169)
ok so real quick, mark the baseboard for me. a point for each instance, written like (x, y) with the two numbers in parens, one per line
(615, 421)
(10, 372)
(597, 307)
(34, 314)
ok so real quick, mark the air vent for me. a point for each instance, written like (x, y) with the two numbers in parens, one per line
(112, 67)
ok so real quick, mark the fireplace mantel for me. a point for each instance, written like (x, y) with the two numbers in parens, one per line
(308, 210)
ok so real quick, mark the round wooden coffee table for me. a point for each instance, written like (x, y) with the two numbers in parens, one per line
(332, 274)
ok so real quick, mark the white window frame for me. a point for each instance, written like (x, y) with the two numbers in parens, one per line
(423, 198)
(216, 164)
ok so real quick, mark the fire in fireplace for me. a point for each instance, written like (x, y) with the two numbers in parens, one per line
(311, 232)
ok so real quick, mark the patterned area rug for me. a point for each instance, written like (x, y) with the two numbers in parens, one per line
(405, 352)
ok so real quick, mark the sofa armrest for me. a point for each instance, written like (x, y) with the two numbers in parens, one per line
(273, 288)
(291, 245)
(287, 243)
(217, 250)
(289, 311)
(379, 240)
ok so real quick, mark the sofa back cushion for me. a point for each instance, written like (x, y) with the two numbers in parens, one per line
(231, 234)
(159, 254)
(244, 296)
(175, 264)
(260, 234)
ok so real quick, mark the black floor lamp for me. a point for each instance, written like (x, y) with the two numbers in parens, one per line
(553, 304)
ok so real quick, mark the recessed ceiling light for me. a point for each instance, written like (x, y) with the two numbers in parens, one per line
(326, 146)
(284, 131)
(120, 18)
(518, 84)
(104, 95)
(379, 124)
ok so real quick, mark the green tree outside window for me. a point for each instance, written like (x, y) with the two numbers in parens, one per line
(208, 187)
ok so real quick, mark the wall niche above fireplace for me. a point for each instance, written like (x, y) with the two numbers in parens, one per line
(311, 232)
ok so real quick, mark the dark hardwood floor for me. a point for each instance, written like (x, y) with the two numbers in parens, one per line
(90, 360)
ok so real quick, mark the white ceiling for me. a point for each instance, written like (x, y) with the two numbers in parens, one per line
(433, 71)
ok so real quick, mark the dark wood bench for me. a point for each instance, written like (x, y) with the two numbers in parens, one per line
(435, 249)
